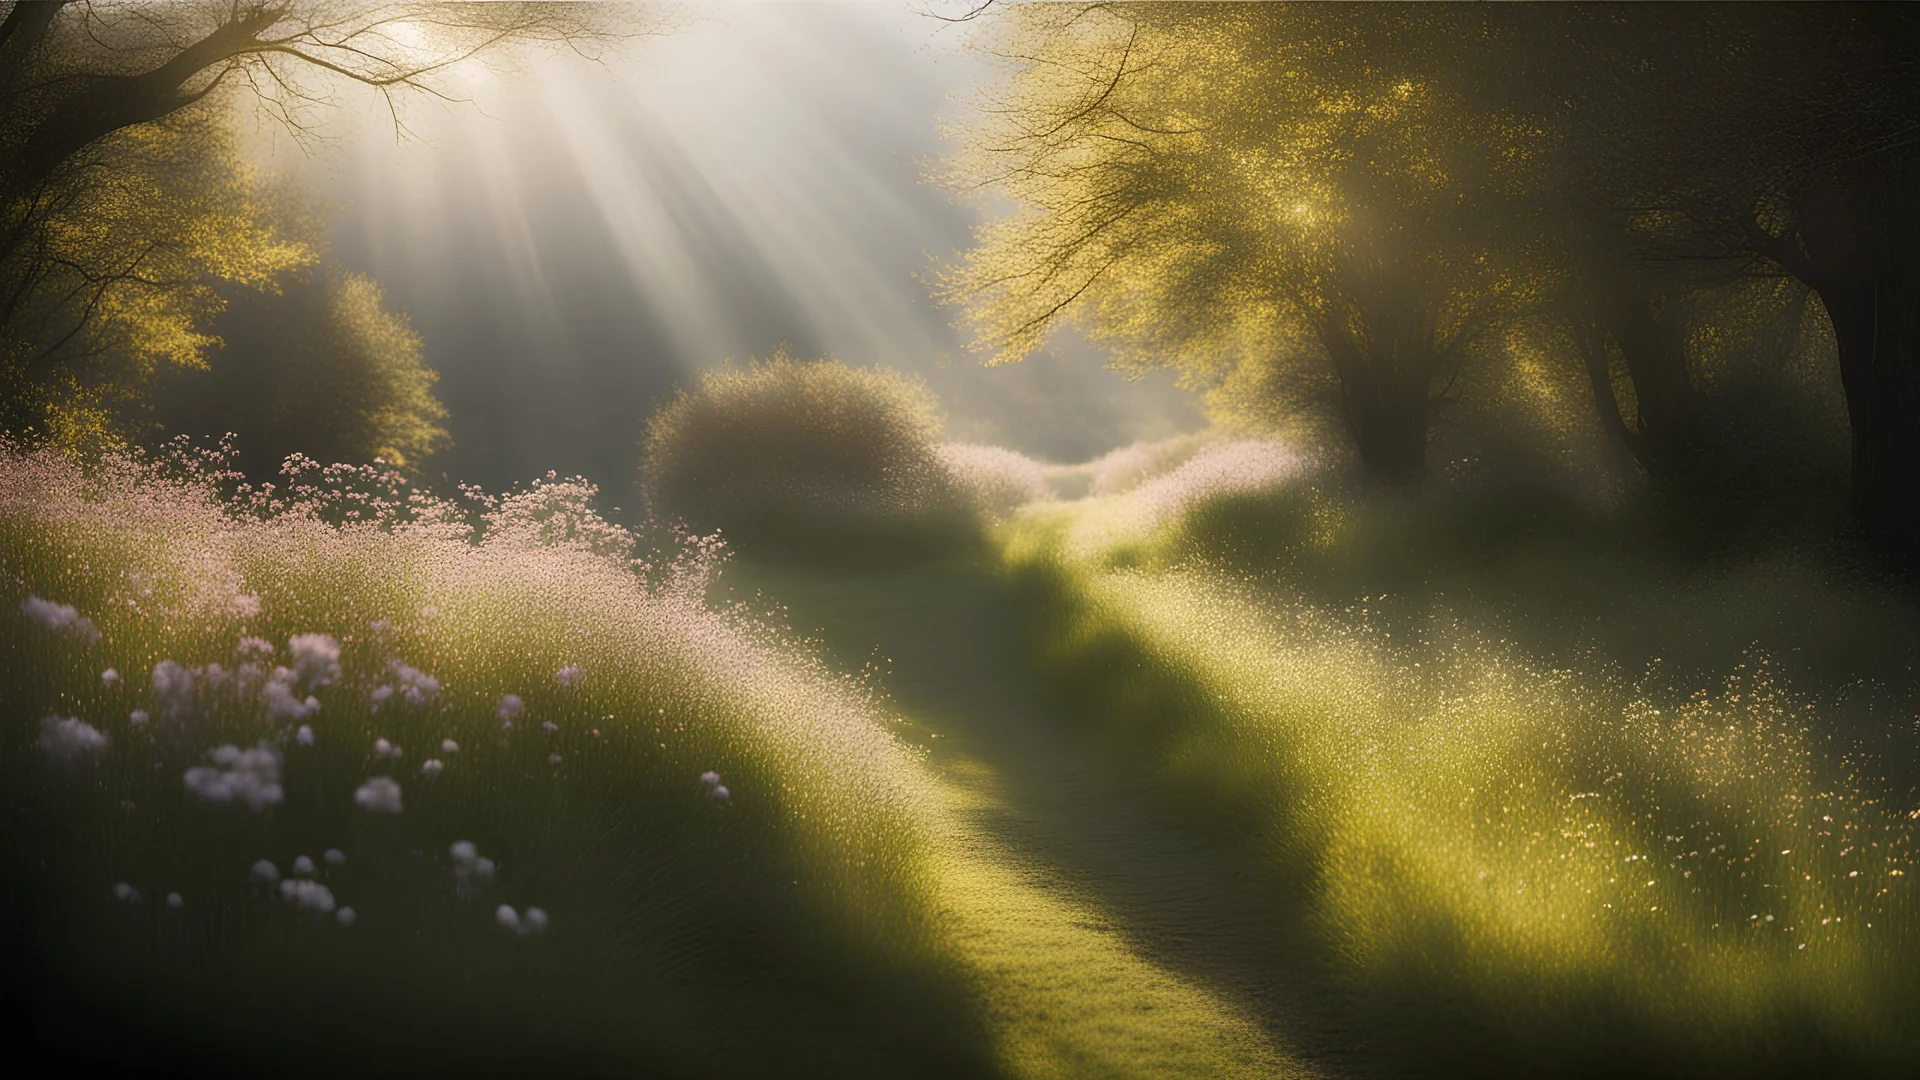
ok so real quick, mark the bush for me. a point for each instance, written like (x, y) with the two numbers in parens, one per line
(808, 457)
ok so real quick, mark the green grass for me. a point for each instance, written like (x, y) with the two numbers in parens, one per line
(847, 912)
(1517, 854)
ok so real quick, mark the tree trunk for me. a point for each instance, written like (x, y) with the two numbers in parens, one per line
(1652, 344)
(1384, 387)
(1860, 250)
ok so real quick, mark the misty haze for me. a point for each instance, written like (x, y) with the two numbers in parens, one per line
(929, 538)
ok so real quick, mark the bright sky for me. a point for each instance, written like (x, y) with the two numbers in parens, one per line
(583, 235)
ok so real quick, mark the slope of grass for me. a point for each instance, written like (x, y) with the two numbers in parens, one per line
(1518, 857)
(846, 910)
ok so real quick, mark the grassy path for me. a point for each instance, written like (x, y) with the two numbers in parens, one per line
(1130, 906)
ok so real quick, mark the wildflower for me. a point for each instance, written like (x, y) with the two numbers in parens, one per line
(310, 895)
(316, 658)
(265, 872)
(283, 703)
(535, 920)
(710, 778)
(334, 857)
(414, 686)
(510, 707)
(251, 776)
(254, 647)
(346, 916)
(302, 866)
(431, 767)
(62, 619)
(70, 739)
(448, 746)
(126, 893)
(569, 677)
(172, 689)
(507, 917)
(174, 900)
(553, 759)
(549, 726)
(383, 748)
(138, 718)
(720, 793)
(110, 677)
(304, 736)
(379, 795)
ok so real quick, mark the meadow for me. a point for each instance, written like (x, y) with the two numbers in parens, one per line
(1187, 761)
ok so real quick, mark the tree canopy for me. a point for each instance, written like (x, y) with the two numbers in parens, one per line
(124, 203)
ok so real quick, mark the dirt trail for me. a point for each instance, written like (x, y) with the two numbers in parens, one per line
(1070, 822)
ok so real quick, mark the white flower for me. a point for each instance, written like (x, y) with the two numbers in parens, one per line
(335, 857)
(510, 707)
(302, 866)
(109, 677)
(720, 792)
(553, 759)
(304, 736)
(126, 893)
(174, 900)
(346, 916)
(70, 739)
(379, 795)
(431, 767)
(549, 726)
(60, 618)
(535, 920)
(448, 746)
(710, 778)
(245, 605)
(310, 895)
(283, 702)
(382, 748)
(138, 718)
(414, 686)
(569, 676)
(264, 871)
(172, 689)
(507, 917)
(316, 658)
(251, 776)
(257, 648)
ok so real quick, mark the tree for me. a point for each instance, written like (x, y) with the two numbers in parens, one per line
(1301, 185)
(1711, 143)
(121, 201)
(324, 370)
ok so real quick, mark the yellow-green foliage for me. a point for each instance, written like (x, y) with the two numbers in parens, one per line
(787, 444)
(132, 241)
(1552, 869)
(323, 370)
